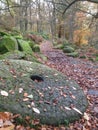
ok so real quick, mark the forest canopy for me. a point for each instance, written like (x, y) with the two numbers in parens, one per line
(74, 20)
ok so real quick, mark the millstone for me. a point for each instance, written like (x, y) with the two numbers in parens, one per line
(43, 93)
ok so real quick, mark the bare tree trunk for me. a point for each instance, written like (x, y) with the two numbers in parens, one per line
(26, 18)
(71, 23)
(39, 17)
(21, 16)
(30, 22)
(52, 18)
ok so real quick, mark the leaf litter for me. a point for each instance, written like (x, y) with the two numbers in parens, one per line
(83, 72)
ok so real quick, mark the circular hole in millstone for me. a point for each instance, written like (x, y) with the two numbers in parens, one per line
(37, 78)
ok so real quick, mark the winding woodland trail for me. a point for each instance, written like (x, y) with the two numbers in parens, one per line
(85, 73)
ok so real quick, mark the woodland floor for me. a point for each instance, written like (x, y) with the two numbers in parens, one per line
(85, 73)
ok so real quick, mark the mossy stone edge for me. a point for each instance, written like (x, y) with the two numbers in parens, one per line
(51, 97)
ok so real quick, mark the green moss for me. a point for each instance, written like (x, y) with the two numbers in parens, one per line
(18, 36)
(18, 55)
(13, 55)
(2, 33)
(43, 57)
(96, 58)
(68, 49)
(36, 48)
(30, 58)
(84, 57)
(31, 43)
(73, 54)
(59, 46)
(7, 44)
(24, 46)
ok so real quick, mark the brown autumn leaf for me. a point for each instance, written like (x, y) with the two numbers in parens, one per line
(8, 128)
(5, 115)
(36, 122)
(73, 96)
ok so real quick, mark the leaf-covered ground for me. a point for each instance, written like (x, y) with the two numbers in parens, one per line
(86, 75)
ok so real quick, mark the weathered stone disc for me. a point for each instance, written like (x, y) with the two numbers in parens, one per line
(41, 92)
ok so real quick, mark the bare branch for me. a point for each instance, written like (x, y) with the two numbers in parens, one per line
(70, 4)
(9, 8)
(94, 15)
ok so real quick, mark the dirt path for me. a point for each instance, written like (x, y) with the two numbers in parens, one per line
(85, 73)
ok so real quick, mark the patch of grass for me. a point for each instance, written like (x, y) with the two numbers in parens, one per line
(66, 122)
(96, 58)
(83, 57)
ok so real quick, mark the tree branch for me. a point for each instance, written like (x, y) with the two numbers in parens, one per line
(9, 8)
(94, 15)
(70, 4)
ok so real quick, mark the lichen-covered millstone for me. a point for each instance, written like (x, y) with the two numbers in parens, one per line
(41, 92)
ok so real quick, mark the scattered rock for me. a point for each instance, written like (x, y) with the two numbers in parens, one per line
(8, 44)
(68, 49)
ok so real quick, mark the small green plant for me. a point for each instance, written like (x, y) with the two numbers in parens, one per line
(44, 35)
(36, 48)
(97, 58)
(66, 122)
(83, 57)
(68, 49)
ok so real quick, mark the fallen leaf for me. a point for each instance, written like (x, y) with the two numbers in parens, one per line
(25, 94)
(86, 116)
(8, 128)
(4, 93)
(5, 115)
(32, 104)
(47, 102)
(56, 74)
(20, 90)
(36, 110)
(73, 96)
(1, 122)
(74, 88)
(96, 109)
(7, 123)
(36, 122)
(67, 108)
(77, 110)
(30, 96)
(25, 99)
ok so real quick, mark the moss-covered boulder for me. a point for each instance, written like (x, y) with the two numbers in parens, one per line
(36, 48)
(8, 44)
(24, 46)
(18, 36)
(40, 92)
(2, 33)
(19, 55)
(13, 55)
(59, 46)
(31, 43)
(68, 49)
(73, 54)
(43, 57)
